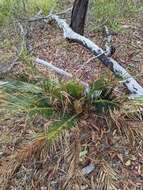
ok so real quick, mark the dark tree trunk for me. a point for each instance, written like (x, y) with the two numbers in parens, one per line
(79, 15)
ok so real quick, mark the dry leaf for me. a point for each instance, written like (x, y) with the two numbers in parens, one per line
(128, 163)
(78, 106)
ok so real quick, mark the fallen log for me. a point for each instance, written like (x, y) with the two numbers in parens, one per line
(61, 72)
(45, 63)
(132, 85)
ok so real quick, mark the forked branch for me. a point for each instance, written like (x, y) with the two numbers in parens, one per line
(132, 85)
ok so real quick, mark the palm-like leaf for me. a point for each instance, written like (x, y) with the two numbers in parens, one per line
(58, 127)
(13, 86)
(21, 97)
(12, 163)
(101, 95)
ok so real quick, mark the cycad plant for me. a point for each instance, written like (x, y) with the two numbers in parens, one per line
(49, 97)
(64, 103)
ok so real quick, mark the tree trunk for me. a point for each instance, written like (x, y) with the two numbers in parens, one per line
(79, 15)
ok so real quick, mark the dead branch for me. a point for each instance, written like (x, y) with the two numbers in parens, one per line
(110, 50)
(132, 85)
(54, 68)
(61, 72)
(39, 16)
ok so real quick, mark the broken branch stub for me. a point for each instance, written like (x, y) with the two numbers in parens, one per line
(132, 85)
(110, 50)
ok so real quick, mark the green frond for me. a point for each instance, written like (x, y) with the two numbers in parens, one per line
(55, 87)
(13, 162)
(101, 96)
(103, 105)
(58, 128)
(99, 84)
(21, 97)
(14, 86)
(74, 89)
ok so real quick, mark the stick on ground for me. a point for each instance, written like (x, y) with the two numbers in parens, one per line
(132, 85)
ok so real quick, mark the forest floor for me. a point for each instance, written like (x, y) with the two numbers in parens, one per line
(121, 161)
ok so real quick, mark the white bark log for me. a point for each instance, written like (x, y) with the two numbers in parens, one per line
(54, 68)
(132, 85)
(61, 72)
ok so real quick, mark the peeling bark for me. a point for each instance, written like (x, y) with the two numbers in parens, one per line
(118, 70)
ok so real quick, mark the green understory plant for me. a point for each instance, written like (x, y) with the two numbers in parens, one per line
(113, 12)
(63, 102)
(19, 9)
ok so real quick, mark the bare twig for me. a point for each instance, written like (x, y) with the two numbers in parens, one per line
(23, 39)
(108, 45)
(54, 68)
(39, 17)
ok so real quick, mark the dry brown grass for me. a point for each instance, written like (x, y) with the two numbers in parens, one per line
(11, 164)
